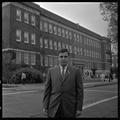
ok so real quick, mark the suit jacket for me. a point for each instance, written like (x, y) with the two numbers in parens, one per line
(68, 90)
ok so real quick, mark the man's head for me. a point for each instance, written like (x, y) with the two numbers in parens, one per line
(63, 57)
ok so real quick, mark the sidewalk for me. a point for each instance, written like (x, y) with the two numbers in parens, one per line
(41, 85)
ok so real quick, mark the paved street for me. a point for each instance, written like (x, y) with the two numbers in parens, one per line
(98, 102)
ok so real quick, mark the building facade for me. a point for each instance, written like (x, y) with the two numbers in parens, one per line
(36, 35)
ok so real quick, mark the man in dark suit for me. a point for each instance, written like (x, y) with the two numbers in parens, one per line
(63, 95)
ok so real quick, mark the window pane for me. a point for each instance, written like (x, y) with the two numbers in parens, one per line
(41, 25)
(18, 57)
(26, 59)
(50, 28)
(41, 42)
(33, 20)
(66, 33)
(26, 18)
(55, 45)
(46, 60)
(41, 60)
(50, 44)
(32, 38)
(45, 26)
(18, 35)
(59, 46)
(63, 33)
(18, 15)
(33, 59)
(26, 37)
(55, 30)
(46, 43)
(75, 36)
(59, 31)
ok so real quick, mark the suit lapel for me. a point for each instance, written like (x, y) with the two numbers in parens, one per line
(59, 73)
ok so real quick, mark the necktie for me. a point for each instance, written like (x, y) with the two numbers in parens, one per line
(63, 73)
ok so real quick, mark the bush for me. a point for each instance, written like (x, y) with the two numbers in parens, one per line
(32, 76)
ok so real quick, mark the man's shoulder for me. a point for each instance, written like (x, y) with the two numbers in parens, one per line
(73, 67)
(53, 68)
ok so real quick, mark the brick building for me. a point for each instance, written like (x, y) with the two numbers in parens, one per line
(36, 35)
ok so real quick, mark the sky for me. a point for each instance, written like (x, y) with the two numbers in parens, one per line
(86, 14)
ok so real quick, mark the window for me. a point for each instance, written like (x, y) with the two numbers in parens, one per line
(81, 52)
(80, 38)
(90, 53)
(33, 59)
(18, 57)
(46, 60)
(66, 33)
(90, 42)
(70, 49)
(18, 15)
(55, 30)
(33, 38)
(50, 28)
(26, 37)
(75, 50)
(18, 35)
(26, 18)
(55, 60)
(41, 25)
(50, 44)
(59, 31)
(59, 45)
(75, 36)
(63, 45)
(50, 60)
(70, 35)
(63, 33)
(26, 58)
(41, 42)
(41, 60)
(45, 26)
(84, 52)
(67, 46)
(85, 40)
(33, 20)
(46, 43)
(55, 45)
(78, 50)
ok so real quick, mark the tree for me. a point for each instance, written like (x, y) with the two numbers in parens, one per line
(109, 11)
(8, 60)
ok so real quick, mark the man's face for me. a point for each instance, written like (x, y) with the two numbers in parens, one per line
(63, 59)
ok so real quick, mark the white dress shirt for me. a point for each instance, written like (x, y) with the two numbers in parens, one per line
(61, 69)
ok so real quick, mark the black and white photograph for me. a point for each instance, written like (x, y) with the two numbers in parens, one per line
(59, 60)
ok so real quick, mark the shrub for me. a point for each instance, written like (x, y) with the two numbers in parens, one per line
(32, 76)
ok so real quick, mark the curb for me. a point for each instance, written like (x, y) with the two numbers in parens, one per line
(8, 87)
(102, 84)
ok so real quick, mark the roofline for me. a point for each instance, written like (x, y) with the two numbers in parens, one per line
(62, 20)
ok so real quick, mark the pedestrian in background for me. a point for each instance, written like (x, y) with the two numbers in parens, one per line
(23, 77)
(111, 77)
(63, 95)
(102, 77)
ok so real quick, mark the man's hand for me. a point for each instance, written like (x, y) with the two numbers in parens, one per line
(78, 113)
(45, 112)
